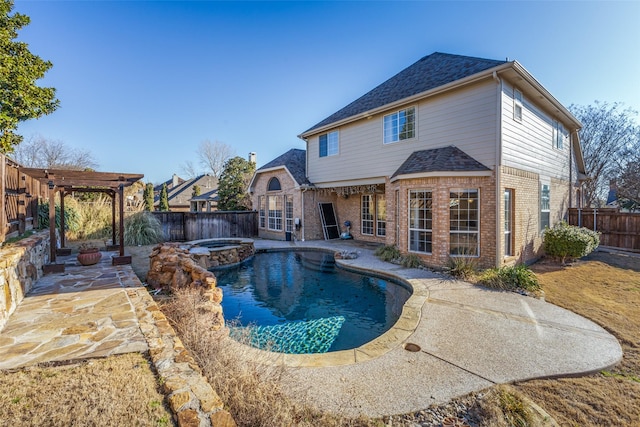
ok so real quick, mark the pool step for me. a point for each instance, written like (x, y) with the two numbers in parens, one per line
(318, 262)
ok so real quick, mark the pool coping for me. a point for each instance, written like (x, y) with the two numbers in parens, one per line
(394, 337)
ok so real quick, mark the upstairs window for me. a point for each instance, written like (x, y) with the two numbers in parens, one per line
(274, 184)
(400, 125)
(329, 144)
(558, 135)
(517, 105)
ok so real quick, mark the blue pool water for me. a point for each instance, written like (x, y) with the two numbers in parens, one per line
(299, 302)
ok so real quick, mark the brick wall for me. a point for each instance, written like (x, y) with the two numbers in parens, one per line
(440, 188)
(527, 236)
(288, 188)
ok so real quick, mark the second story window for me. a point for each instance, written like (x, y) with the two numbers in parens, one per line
(517, 105)
(400, 125)
(558, 135)
(329, 144)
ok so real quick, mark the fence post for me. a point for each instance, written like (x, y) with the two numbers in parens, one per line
(3, 211)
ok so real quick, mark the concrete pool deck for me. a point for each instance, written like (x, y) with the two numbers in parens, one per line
(465, 338)
(452, 338)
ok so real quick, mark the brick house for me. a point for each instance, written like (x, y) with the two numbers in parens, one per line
(454, 156)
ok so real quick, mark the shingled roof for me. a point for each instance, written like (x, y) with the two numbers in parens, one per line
(445, 159)
(428, 73)
(295, 160)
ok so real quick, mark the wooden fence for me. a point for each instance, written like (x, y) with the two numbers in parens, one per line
(618, 229)
(19, 196)
(184, 226)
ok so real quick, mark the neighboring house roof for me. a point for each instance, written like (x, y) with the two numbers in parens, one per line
(294, 160)
(175, 181)
(181, 194)
(445, 159)
(208, 196)
(428, 73)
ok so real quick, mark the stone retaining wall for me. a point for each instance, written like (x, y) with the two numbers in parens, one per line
(20, 266)
(233, 252)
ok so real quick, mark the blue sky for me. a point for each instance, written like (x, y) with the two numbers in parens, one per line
(141, 84)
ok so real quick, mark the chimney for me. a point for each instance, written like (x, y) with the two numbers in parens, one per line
(252, 157)
(175, 181)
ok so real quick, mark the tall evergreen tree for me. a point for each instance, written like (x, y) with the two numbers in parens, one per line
(164, 199)
(20, 98)
(234, 183)
(148, 197)
(196, 191)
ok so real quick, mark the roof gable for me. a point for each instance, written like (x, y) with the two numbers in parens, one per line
(428, 73)
(445, 159)
(295, 160)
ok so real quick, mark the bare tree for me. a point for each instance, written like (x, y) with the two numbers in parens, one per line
(189, 169)
(608, 134)
(213, 156)
(629, 180)
(39, 152)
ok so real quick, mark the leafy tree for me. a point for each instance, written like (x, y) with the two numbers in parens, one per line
(164, 199)
(196, 191)
(20, 98)
(148, 197)
(39, 152)
(234, 183)
(608, 136)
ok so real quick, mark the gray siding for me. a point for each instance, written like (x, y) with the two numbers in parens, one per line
(528, 145)
(466, 118)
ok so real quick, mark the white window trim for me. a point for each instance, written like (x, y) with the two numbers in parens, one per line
(558, 134)
(275, 217)
(409, 229)
(415, 127)
(337, 144)
(479, 248)
(372, 212)
(542, 184)
(518, 103)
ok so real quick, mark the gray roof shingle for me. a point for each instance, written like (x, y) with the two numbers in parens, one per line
(445, 159)
(428, 73)
(295, 161)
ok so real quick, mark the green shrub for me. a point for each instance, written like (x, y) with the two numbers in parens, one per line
(142, 228)
(71, 217)
(510, 277)
(565, 241)
(388, 253)
(411, 261)
(462, 267)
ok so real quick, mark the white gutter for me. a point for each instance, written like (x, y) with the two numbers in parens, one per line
(438, 174)
(498, 172)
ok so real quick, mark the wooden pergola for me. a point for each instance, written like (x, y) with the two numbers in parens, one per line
(69, 181)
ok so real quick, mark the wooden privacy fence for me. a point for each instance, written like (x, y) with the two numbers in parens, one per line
(618, 229)
(182, 226)
(19, 195)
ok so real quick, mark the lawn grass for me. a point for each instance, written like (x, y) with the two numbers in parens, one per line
(606, 289)
(117, 391)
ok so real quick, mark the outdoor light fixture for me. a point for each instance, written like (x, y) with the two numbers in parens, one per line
(51, 185)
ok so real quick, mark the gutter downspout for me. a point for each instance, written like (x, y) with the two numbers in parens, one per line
(571, 139)
(498, 171)
(304, 189)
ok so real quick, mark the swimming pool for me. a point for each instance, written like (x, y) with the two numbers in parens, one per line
(300, 302)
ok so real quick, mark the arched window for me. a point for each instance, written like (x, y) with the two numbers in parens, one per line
(274, 184)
